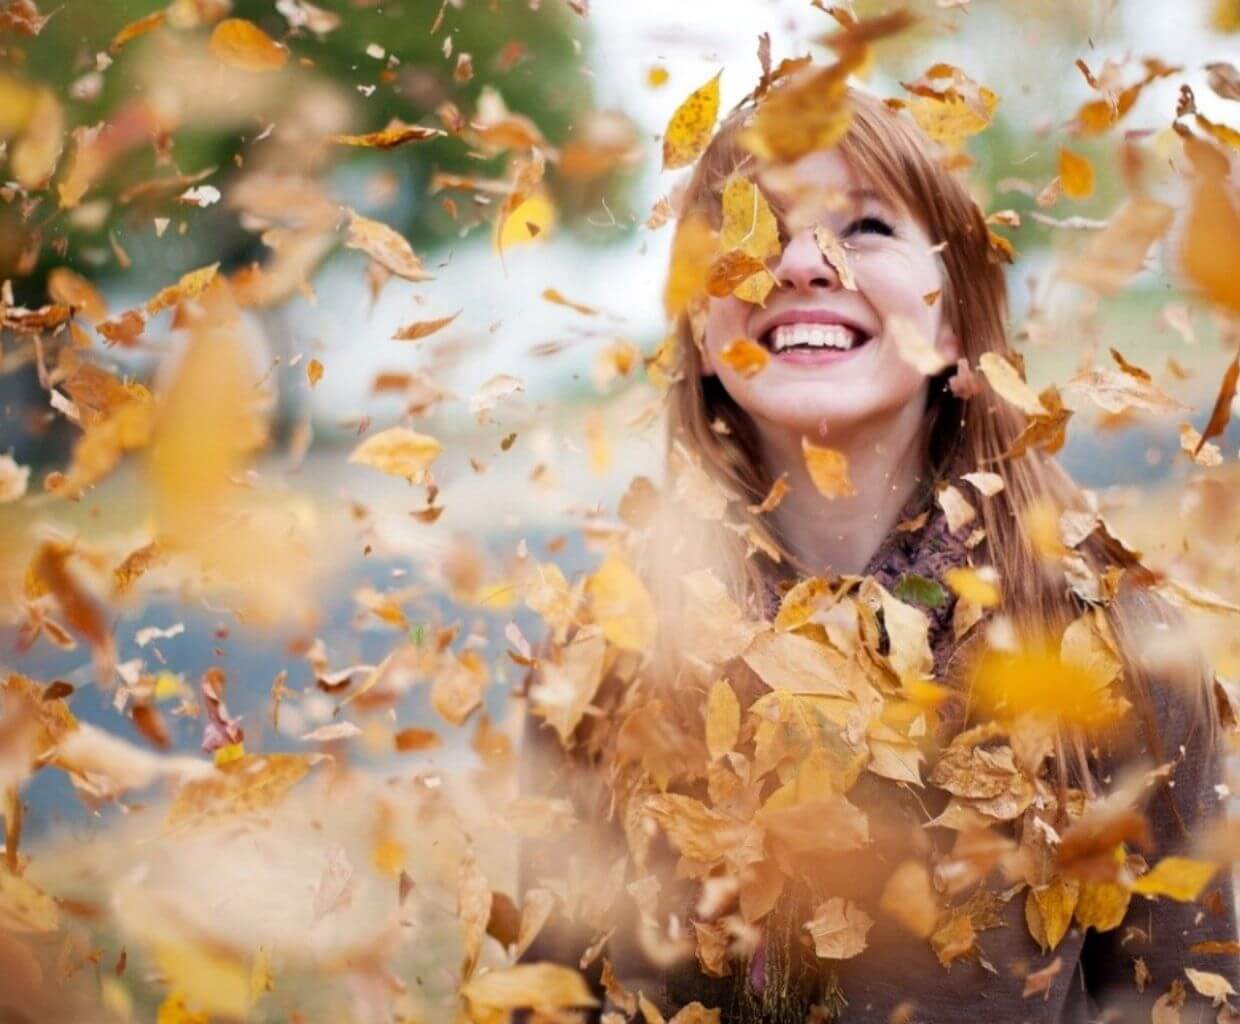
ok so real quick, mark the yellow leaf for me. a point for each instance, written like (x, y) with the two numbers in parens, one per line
(1049, 909)
(908, 897)
(914, 347)
(690, 128)
(1102, 905)
(749, 225)
(973, 586)
(530, 221)
(693, 249)
(833, 252)
(745, 357)
(543, 987)
(314, 372)
(621, 605)
(1211, 985)
(246, 785)
(723, 719)
(1009, 385)
(241, 44)
(398, 451)
(1076, 175)
(804, 114)
(71, 289)
(209, 980)
(828, 469)
(174, 1011)
(190, 286)
(1040, 681)
(1176, 877)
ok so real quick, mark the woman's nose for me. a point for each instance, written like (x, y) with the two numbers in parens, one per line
(802, 265)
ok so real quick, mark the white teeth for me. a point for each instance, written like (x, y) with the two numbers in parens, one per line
(815, 335)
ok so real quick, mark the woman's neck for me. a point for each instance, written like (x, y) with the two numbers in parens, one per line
(886, 463)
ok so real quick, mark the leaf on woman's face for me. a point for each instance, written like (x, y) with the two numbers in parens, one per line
(745, 357)
(749, 225)
(690, 127)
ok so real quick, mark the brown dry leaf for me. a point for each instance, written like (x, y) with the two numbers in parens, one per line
(953, 939)
(456, 692)
(536, 910)
(691, 126)
(566, 686)
(423, 328)
(1010, 385)
(956, 508)
(247, 785)
(71, 289)
(397, 133)
(415, 739)
(1166, 1009)
(556, 298)
(828, 469)
(833, 252)
(386, 247)
(909, 898)
(137, 28)
(714, 628)
(1212, 986)
(695, 830)
(779, 490)
(241, 44)
(908, 630)
(49, 571)
(190, 286)
(621, 604)
(1076, 175)
(1039, 982)
(745, 357)
(314, 372)
(1220, 415)
(398, 451)
(1117, 252)
(839, 929)
(799, 664)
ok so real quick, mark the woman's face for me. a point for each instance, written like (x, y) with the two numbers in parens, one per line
(834, 363)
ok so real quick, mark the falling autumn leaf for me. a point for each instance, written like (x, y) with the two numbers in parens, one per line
(241, 44)
(1076, 175)
(423, 328)
(691, 126)
(745, 357)
(828, 469)
(398, 451)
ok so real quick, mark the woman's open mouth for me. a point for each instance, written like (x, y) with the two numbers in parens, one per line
(813, 342)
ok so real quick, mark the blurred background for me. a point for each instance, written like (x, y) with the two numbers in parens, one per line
(542, 405)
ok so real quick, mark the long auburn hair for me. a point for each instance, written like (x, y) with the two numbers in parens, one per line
(890, 153)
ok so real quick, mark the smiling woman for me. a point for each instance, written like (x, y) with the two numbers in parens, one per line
(832, 611)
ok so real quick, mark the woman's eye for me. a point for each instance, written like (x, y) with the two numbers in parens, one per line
(874, 225)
